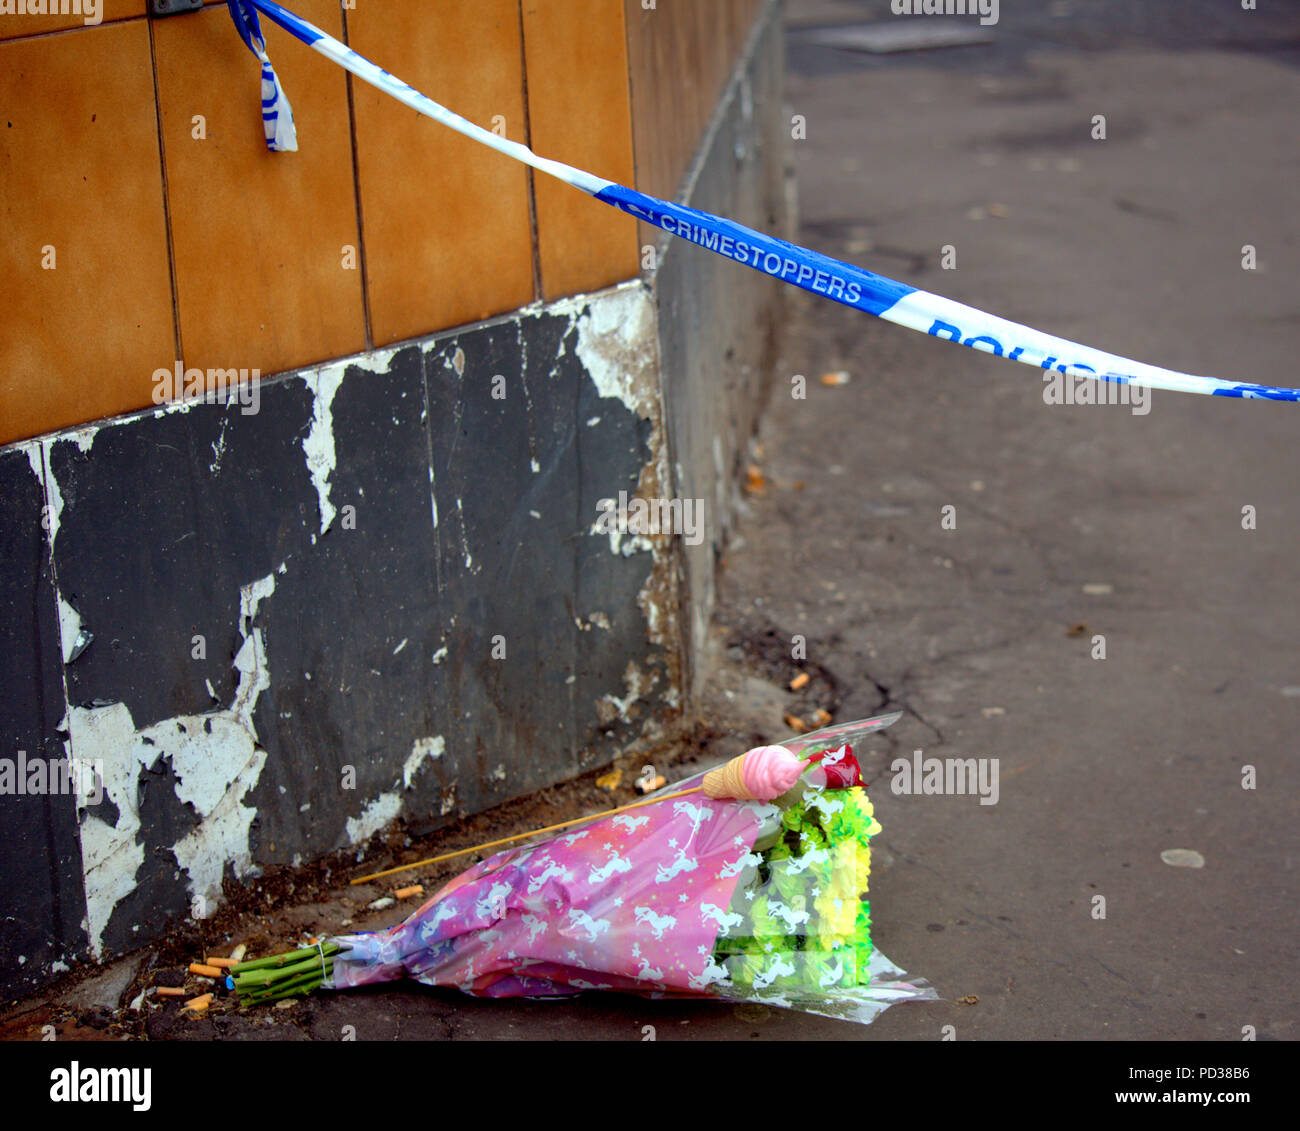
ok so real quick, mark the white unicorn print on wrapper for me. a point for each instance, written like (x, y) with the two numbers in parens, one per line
(535, 925)
(580, 920)
(553, 871)
(832, 976)
(493, 905)
(582, 984)
(657, 923)
(748, 860)
(629, 823)
(444, 911)
(798, 864)
(681, 863)
(696, 813)
(711, 974)
(825, 805)
(615, 863)
(791, 917)
(725, 919)
(778, 969)
(648, 973)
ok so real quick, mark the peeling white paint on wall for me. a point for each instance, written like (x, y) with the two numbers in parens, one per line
(422, 750)
(377, 813)
(637, 683)
(69, 627)
(318, 444)
(219, 448)
(623, 542)
(216, 759)
(387, 807)
(616, 344)
(38, 455)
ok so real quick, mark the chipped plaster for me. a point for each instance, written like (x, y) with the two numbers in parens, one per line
(216, 759)
(618, 345)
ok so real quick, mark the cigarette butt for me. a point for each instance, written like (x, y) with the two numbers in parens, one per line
(222, 963)
(237, 955)
(199, 1004)
(170, 991)
(821, 716)
(649, 785)
(204, 971)
(801, 680)
(406, 893)
(835, 378)
(796, 724)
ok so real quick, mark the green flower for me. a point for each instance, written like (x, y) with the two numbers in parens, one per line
(787, 883)
(742, 969)
(855, 818)
(817, 865)
(811, 838)
(863, 950)
(828, 969)
(769, 928)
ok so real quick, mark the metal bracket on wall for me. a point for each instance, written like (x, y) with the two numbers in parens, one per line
(160, 8)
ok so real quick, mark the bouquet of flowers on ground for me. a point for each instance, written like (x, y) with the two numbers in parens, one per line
(745, 883)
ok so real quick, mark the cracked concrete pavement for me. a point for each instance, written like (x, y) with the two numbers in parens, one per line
(1069, 523)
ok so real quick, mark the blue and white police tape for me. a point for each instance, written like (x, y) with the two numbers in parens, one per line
(277, 114)
(842, 282)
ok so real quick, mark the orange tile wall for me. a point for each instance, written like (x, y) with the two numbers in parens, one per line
(209, 249)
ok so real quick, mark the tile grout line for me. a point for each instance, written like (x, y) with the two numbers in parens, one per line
(166, 200)
(356, 190)
(538, 296)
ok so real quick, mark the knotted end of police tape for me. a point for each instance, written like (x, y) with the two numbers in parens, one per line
(277, 114)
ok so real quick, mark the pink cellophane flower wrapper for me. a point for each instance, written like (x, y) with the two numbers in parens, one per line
(631, 902)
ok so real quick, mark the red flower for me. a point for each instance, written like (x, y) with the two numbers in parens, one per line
(842, 769)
